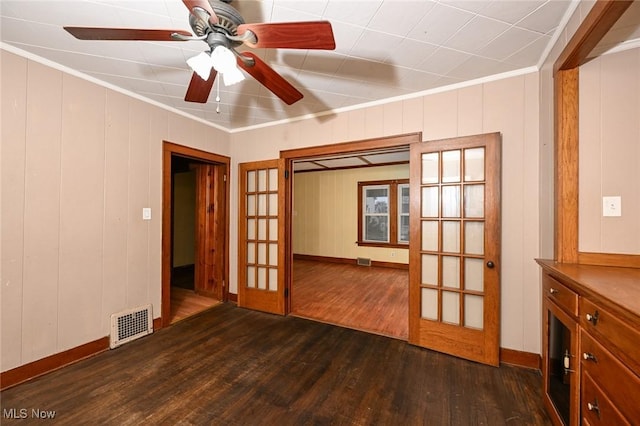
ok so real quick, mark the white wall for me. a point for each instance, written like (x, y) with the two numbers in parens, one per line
(325, 213)
(610, 152)
(79, 162)
(509, 106)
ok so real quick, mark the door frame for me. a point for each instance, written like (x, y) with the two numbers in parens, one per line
(291, 155)
(168, 150)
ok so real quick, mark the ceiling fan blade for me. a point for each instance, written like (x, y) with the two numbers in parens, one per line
(270, 79)
(88, 33)
(292, 35)
(202, 4)
(199, 89)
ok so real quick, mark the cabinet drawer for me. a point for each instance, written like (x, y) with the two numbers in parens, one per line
(623, 337)
(596, 408)
(620, 384)
(564, 297)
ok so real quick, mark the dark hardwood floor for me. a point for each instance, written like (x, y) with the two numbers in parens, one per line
(232, 366)
(368, 298)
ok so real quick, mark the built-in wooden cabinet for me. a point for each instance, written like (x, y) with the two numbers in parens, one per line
(591, 344)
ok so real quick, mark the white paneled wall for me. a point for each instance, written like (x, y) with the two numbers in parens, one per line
(610, 152)
(509, 106)
(79, 162)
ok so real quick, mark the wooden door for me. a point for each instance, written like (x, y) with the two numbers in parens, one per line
(210, 229)
(261, 236)
(454, 249)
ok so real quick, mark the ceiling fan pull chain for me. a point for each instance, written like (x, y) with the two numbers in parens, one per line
(218, 96)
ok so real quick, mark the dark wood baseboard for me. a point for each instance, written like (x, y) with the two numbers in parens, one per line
(157, 323)
(233, 298)
(42, 366)
(349, 261)
(520, 359)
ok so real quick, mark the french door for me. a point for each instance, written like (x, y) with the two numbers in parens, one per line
(454, 250)
(261, 232)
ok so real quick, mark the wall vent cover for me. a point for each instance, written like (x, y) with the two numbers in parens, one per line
(363, 261)
(130, 325)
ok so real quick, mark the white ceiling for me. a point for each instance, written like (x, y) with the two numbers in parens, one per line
(384, 49)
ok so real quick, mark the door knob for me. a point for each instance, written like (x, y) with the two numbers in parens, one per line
(490, 265)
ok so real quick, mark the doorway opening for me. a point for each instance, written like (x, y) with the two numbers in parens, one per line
(326, 282)
(195, 224)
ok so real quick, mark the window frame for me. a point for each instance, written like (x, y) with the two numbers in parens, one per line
(393, 213)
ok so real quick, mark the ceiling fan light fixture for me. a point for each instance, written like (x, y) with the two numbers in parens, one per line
(201, 64)
(224, 61)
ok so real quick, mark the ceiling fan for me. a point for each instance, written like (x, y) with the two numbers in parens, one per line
(223, 29)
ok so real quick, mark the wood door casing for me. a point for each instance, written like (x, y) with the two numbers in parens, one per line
(477, 343)
(222, 217)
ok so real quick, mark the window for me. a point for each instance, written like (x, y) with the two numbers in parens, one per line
(383, 218)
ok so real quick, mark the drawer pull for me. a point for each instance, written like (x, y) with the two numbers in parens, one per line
(553, 290)
(589, 357)
(593, 319)
(593, 406)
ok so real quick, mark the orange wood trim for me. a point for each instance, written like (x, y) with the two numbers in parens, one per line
(344, 260)
(596, 24)
(345, 147)
(157, 323)
(48, 364)
(330, 169)
(169, 149)
(605, 259)
(233, 298)
(566, 166)
(520, 359)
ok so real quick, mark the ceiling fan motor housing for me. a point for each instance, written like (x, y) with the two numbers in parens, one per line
(228, 21)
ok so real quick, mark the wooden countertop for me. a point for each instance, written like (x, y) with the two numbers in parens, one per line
(617, 288)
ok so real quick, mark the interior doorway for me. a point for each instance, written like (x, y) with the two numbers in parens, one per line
(334, 288)
(195, 231)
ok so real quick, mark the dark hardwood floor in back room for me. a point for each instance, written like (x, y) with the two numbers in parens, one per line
(232, 366)
(368, 298)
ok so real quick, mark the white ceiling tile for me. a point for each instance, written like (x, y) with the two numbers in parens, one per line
(410, 53)
(545, 18)
(375, 45)
(443, 61)
(508, 43)
(476, 67)
(254, 11)
(399, 17)
(391, 157)
(309, 7)
(342, 162)
(509, 11)
(346, 36)
(373, 72)
(439, 24)
(373, 59)
(530, 54)
(323, 62)
(476, 34)
(352, 12)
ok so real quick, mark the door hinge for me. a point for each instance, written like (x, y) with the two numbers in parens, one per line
(224, 178)
(286, 174)
(286, 292)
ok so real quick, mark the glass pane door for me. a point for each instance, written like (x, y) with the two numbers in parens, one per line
(455, 240)
(261, 255)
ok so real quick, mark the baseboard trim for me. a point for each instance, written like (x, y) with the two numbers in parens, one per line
(349, 261)
(520, 359)
(48, 364)
(233, 298)
(54, 362)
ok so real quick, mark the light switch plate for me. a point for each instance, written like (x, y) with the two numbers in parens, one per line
(612, 206)
(146, 213)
